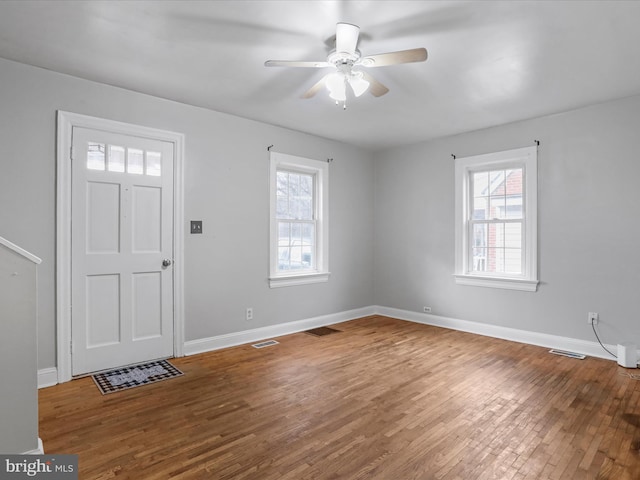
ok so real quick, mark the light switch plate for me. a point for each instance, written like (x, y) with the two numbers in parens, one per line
(196, 226)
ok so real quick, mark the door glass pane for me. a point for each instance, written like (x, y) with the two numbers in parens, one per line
(154, 165)
(135, 161)
(95, 156)
(116, 158)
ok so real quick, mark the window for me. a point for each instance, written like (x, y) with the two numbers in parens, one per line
(496, 220)
(114, 159)
(298, 212)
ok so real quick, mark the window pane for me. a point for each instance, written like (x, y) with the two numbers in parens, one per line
(308, 234)
(479, 259)
(282, 207)
(514, 206)
(283, 258)
(283, 234)
(478, 250)
(294, 195)
(513, 260)
(95, 156)
(514, 182)
(497, 186)
(116, 158)
(480, 185)
(296, 234)
(513, 235)
(282, 184)
(154, 164)
(294, 184)
(496, 235)
(305, 210)
(135, 161)
(480, 235)
(480, 208)
(306, 185)
(495, 260)
(497, 207)
(296, 245)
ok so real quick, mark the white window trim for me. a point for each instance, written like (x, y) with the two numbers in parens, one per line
(321, 172)
(527, 158)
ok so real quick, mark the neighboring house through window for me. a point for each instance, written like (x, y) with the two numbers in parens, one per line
(299, 215)
(496, 220)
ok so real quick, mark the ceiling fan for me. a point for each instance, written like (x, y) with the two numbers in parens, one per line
(345, 59)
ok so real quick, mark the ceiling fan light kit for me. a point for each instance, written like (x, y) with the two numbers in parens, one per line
(343, 59)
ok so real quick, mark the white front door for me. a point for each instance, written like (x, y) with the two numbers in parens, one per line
(122, 250)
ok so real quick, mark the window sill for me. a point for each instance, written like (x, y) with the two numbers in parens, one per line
(497, 282)
(299, 279)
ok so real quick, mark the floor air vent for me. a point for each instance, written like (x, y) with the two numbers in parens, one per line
(321, 331)
(568, 354)
(268, 343)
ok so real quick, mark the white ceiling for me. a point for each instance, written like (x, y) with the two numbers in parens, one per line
(490, 62)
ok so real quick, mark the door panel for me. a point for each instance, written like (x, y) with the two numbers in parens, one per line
(147, 219)
(147, 305)
(103, 312)
(103, 217)
(122, 230)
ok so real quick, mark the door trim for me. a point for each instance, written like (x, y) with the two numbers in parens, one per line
(66, 121)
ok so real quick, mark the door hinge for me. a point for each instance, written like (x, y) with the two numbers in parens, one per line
(71, 153)
(71, 346)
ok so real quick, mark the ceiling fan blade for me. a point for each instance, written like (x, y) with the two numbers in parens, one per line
(394, 58)
(293, 63)
(316, 88)
(347, 38)
(375, 87)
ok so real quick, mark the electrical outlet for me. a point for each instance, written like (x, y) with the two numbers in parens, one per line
(249, 313)
(592, 318)
(426, 309)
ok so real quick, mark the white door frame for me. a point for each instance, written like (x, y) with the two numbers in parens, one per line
(66, 122)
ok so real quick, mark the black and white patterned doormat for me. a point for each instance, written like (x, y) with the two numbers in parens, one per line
(135, 376)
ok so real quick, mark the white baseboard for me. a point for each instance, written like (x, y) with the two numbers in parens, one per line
(37, 451)
(202, 345)
(585, 347)
(47, 377)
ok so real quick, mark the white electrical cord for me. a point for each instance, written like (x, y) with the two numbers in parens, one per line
(596, 334)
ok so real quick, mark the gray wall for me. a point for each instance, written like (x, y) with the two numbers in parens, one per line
(588, 229)
(226, 186)
(19, 407)
(391, 213)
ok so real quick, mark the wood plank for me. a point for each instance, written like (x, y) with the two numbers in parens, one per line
(382, 399)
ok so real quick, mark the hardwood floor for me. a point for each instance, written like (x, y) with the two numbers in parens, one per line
(382, 399)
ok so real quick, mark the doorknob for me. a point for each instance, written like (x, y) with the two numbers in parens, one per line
(166, 262)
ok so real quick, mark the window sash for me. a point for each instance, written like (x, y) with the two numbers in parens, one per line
(473, 248)
(296, 220)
